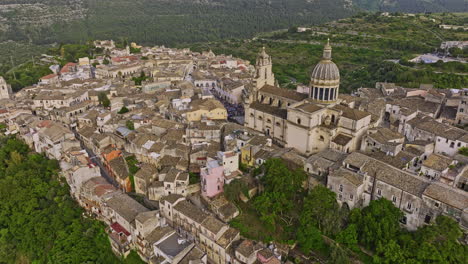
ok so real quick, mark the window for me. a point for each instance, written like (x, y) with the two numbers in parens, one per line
(322, 138)
(427, 219)
(351, 196)
(403, 220)
(278, 124)
(299, 121)
(459, 144)
(341, 188)
(394, 198)
(461, 110)
(436, 204)
(379, 192)
(409, 205)
(452, 145)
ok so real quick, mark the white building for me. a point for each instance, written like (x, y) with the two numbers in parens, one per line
(5, 89)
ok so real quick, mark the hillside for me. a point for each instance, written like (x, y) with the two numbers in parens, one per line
(177, 21)
(413, 6)
(157, 21)
(365, 48)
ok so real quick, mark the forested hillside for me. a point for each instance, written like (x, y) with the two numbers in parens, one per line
(176, 21)
(413, 6)
(158, 21)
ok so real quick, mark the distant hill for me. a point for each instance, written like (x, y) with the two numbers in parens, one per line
(413, 6)
(158, 21)
(181, 21)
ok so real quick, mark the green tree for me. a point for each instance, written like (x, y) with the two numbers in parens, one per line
(338, 255)
(439, 242)
(463, 151)
(103, 99)
(129, 124)
(282, 188)
(233, 190)
(348, 237)
(378, 223)
(309, 237)
(123, 110)
(389, 253)
(321, 209)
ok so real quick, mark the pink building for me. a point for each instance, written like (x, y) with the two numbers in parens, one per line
(212, 179)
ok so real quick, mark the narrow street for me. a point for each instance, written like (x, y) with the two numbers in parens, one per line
(98, 162)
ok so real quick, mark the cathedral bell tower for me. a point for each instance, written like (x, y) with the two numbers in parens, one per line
(325, 78)
(5, 89)
(263, 76)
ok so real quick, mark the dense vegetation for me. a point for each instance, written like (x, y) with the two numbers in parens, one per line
(318, 224)
(39, 221)
(168, 22)
(413, 6)
(365, 48)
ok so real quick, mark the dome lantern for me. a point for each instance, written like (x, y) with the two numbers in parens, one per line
(325, 78)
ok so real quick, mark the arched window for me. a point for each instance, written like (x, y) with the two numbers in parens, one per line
(271, 100)
(333, 118)
(260, 118)
(299, 121)
(322, 138)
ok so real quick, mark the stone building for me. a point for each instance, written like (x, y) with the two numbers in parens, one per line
(364, 178)
(309, 122)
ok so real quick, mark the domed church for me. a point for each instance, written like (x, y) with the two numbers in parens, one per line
(309, 121)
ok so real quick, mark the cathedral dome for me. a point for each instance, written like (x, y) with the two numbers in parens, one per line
(325, 72)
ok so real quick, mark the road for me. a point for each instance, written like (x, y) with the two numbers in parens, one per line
(98, 162)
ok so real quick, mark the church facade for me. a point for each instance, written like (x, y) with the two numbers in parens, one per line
(5, 89)
(308, 122)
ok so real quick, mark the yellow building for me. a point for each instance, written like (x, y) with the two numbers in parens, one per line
(206, 109)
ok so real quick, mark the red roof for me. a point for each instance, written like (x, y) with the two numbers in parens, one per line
(103, 189)
(50, 76)
(66, 67)
(45, 123)
(119, 229)
(124, 58)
